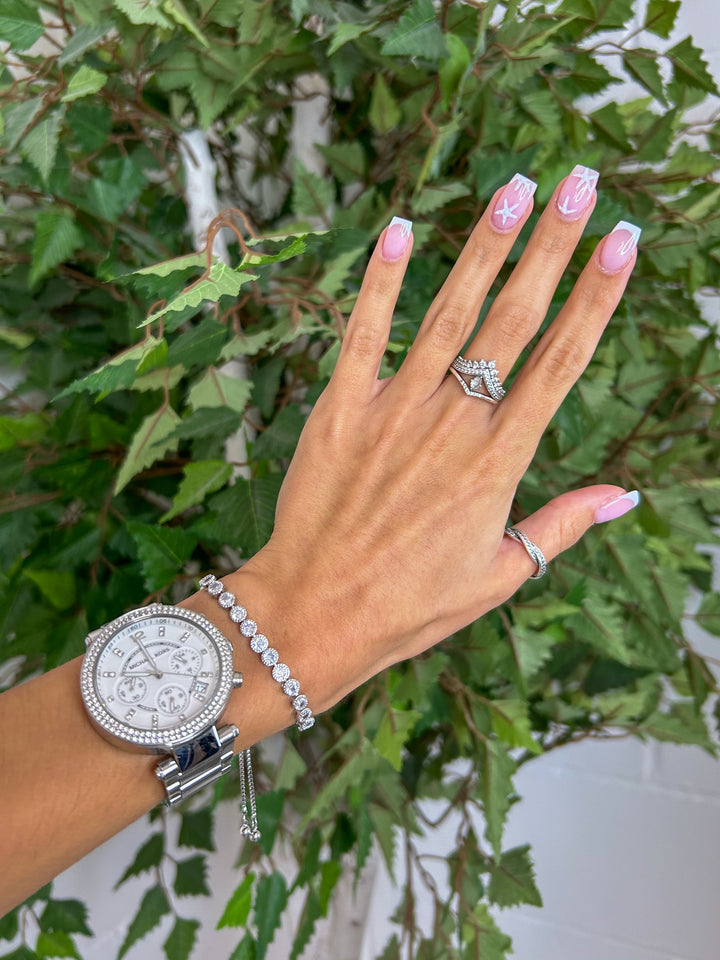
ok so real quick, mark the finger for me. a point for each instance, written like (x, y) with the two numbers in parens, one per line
(567, 346)
(519, 310)
(557, 526)
(454, 311)
(368, 328)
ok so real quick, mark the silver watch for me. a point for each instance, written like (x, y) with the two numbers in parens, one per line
(158, 680)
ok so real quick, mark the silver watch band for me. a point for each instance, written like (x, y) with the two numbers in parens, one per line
(193, 765)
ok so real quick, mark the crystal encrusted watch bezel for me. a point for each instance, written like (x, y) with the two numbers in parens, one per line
(170, 736)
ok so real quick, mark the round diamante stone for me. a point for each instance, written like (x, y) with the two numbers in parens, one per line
(304, 715)
(258, 643)
(303, 725)
(270, 657)
(215, 588)
(291, 687)
(249, 628)
(238, 613)
(280, 672)
(207, 579)
(226, 599)
(300, 702)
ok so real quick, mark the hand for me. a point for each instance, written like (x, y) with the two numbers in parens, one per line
(389, 527)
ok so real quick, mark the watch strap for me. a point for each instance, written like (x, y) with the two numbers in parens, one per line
(195, 764)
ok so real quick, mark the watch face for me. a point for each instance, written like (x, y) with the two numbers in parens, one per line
(158, 675)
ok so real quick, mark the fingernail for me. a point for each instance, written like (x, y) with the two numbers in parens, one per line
(617, 247)
(577, 193)
(512, 203)
(396, 238)
(617, 507)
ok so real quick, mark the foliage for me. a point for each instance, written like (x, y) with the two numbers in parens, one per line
(114, 335)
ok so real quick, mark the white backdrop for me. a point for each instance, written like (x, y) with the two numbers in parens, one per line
(626, 836)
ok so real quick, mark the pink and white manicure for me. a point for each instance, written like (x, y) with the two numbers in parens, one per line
(513, 203)
(617, 506)
(617, 247)
(577, 193)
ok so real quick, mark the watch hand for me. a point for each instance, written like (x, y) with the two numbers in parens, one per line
(148, 657)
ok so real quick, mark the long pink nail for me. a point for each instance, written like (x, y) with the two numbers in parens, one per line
(617, 247)
(577, 193)
(396, 238)
(512, 203)
(617, 506)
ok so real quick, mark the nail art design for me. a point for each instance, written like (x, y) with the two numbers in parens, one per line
(396, 238)
(513, 202)
(617, 506)
(577, 192)
(618, 246)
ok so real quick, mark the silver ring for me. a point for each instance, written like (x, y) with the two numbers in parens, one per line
(482, 373)
(536, 554)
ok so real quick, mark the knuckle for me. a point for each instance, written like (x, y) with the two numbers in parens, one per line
(563, 359)
(598, 298)
(449, 325)
(515, 322)
(365, 340)
(555, 244)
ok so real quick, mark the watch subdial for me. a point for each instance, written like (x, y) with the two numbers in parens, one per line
(186, 660)
(131, 689)
(171, 699)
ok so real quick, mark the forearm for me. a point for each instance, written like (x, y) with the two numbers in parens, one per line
(66, 789)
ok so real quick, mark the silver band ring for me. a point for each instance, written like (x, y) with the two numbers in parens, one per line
(536, 554)
(482, 373)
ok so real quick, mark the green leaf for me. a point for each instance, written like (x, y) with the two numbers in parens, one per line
(20, 24)
(384, 114)
(683, 723)
(176, 10)
(237, 909)
(57, 586)
(148, 856)
(312, 195)
(215, 421)
(19, 431)
(345, 32)
(491, 943)
(143, 11)
(162, 551)
(660, 17)
(153, 908)
(512, 880)
(151, 442)
(219, 390)
(196, 829)
(84, 38)
(438, 196)
(121, 370)
(330, 873)
(272, 895)
(198, 346)
(511, 724)
(39, 145)
(9, 925)
(201, 478)
(18, 118)
(56, 238)
(245, 950)
(643, 66)
(190, 877)
(222, 281)
(347, 161)
(496, 770)
(610, 124)
(56, 944)
(417, 34)
(690, 68)
(453, 69)
(281, 437)
(247, 511)
(708, 616)
(179, 945)
(84, 82)
(394, 731)
(306, 925)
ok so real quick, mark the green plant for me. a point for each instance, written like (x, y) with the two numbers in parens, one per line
(115, 491)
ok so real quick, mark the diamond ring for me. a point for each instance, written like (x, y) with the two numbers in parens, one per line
(481, 373)
(536, 554)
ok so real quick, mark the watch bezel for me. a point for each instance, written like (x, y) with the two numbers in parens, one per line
(170, 736)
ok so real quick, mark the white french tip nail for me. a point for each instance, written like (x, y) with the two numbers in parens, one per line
(631, 228)
(405, 224)
(529, 184)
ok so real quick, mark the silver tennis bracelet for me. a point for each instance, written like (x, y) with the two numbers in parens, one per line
(260, 644)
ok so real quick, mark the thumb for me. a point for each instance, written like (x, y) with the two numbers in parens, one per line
(558, 525)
